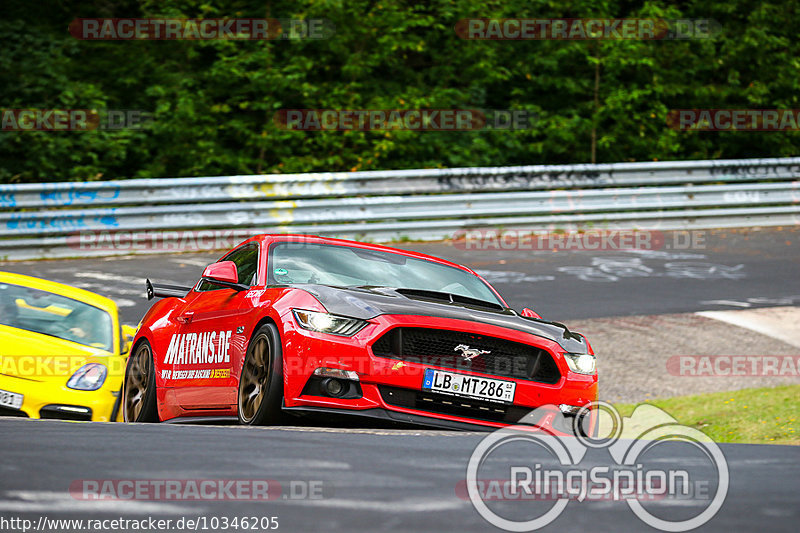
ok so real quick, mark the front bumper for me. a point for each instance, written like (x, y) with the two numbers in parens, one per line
(53, 399)
(392, 388)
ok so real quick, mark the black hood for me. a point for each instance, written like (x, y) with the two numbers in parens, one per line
(366, 303)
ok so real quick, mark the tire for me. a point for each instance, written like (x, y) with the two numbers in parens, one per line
(139, 390)
(261, 380)
(117, 405)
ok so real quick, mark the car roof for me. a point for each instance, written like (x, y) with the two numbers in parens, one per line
(68, 291)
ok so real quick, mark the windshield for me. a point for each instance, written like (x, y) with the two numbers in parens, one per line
(50, 314)
(341, 266)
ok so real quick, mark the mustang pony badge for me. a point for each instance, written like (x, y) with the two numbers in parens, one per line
(470, 353)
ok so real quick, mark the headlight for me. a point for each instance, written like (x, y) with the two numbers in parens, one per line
(327, 323)
(88, 377)
(582, 363)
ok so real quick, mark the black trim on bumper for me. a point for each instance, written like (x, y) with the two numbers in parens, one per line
(393, 416)
(216, 420)
(58, 412)
(430, 402)
(8, 411)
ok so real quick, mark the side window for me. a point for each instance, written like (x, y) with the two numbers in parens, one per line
(246, 260)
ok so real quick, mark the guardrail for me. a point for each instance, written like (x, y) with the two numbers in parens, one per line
(46, 220)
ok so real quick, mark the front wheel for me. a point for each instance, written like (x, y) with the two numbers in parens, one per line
(139, 403)
(261, 380)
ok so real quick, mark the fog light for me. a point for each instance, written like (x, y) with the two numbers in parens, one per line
(333, 387)
(83, 410)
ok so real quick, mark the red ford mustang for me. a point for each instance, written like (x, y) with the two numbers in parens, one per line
(288, 324)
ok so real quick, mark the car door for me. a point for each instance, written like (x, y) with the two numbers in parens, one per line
(209, 344)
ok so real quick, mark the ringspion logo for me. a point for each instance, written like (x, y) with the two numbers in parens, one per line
(540, 465)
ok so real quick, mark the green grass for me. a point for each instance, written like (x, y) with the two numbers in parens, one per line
(760, 416)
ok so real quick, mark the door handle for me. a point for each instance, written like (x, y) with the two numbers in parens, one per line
(186, 317)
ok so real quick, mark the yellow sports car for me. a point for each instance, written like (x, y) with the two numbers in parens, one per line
(62, 351)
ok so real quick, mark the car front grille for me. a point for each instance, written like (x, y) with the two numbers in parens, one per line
(451, 405)
(498, 357)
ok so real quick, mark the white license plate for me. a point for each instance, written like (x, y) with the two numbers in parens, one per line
(10, 399)
(468, 386)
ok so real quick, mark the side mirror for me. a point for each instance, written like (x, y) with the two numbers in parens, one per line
(222, 271)
(529, 313)
(128, 333)
(224, 274)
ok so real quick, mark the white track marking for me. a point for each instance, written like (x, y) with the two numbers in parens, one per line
(99, 287)
(104, 276)
(409, 505)
(731, 303)
(40, 501)
(657, 254)
(202, 263)
(781, 323)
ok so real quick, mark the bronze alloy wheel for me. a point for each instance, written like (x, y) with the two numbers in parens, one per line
(139, 390)
(255, 376)
(261, 380)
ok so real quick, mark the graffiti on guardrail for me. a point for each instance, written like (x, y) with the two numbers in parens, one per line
(206, 191)
(183, 219)
(424, 204)
(522, 179)
(7, 199)
(67, 223)
(750, 170)
(74, 195)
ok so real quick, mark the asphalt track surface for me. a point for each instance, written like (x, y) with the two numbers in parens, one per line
(723, 269)
(382, 479)
(366, 480)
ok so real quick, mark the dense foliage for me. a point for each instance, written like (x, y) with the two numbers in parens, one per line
(213, 102)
